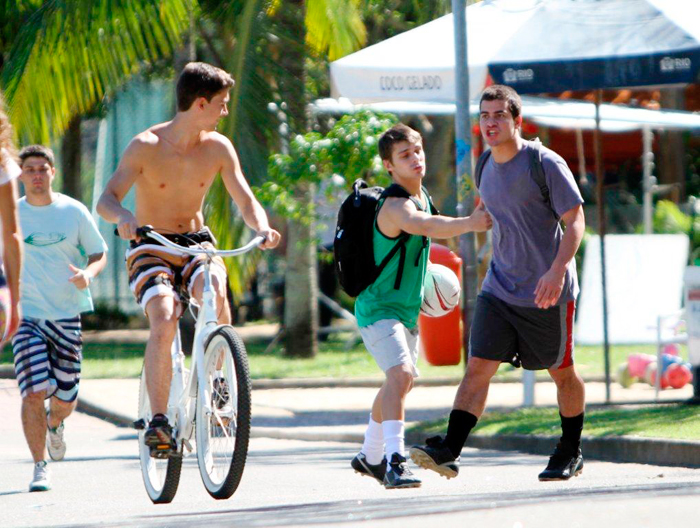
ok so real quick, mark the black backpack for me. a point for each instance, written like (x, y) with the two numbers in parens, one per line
(536, 170)
(353, 245)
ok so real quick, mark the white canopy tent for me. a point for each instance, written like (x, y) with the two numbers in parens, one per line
(533, 45)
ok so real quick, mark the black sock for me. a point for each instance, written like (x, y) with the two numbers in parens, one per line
(458, 428)
(571, 430)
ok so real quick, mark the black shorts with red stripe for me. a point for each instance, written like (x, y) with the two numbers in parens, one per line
(536, 338)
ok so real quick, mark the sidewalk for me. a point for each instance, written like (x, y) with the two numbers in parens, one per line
(340, 414)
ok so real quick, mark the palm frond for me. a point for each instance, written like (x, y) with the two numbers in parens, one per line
(334, 27)
(68, 54)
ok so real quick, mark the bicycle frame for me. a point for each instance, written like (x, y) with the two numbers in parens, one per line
(182, 398)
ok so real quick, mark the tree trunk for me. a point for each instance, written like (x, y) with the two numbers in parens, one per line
(300, 293)
(672, 147)
(301, 282)
(70, 159)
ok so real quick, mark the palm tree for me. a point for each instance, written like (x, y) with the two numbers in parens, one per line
(269, 64)
(63, 57)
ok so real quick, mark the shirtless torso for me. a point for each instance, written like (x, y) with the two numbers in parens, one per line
(171, 182)
(172, 170)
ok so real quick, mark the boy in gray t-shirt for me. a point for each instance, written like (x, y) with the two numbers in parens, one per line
(524, 314)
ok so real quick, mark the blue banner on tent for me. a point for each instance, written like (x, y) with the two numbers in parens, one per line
(558, 76)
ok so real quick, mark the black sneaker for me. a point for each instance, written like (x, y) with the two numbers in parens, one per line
(159, 437)
(364, 468)
(437, 456)
(221, 395)
(399, 476)
(565, 462)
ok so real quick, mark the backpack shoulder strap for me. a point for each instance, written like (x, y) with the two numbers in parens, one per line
(395, 191)
(479, 169)
(537, 171)
(433, 210)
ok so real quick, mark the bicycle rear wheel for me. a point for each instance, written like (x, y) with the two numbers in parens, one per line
(223, 413)
(160, 476)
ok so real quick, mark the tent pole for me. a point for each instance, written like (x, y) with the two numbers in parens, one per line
(583, 178)
(462, 187)
(648, 179)
(600, 197)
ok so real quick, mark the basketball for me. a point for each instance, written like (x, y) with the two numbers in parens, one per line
(442, 291)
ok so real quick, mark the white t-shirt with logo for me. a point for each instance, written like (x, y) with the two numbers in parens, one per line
(55, 236)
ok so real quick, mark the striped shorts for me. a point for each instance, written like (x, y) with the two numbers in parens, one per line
(156, 270)
(47, 356)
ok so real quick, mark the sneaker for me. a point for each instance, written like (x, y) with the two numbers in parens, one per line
(437, 456)
(399, 476)
(565, 462)
(55, 444)
(41, 480)
(159, 437)
(221, 394)
(364, 468)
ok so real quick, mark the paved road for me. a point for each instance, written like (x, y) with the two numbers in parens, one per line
(294, 483)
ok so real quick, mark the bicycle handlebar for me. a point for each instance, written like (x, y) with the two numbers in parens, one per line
(148, 232)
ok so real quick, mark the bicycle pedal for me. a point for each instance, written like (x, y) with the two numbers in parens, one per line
(162, 454)
(163, 451)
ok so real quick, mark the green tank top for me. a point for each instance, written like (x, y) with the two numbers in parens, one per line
(380, 300)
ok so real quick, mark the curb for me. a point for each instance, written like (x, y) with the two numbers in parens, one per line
(118, 419)
(615, 449)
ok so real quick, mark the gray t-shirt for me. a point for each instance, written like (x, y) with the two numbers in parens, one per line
(526, 234)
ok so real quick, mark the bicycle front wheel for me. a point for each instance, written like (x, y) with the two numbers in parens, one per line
(160, 476)
(223, 413)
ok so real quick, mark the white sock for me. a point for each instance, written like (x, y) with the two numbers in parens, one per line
(393, 437)
(373, 447)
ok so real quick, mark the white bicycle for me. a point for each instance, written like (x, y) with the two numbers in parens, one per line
(210, 400)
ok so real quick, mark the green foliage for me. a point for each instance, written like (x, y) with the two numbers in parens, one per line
(334, 27)
(668, 218)
(387, 18)
(64, 57)
(347, 151)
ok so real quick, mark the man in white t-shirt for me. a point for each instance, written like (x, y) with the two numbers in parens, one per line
(64, 252)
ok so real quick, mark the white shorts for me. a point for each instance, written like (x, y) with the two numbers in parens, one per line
(392, 344)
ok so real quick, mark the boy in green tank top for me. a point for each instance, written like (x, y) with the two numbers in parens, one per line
(387, 312)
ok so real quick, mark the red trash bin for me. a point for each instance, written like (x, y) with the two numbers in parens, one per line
(442, 336)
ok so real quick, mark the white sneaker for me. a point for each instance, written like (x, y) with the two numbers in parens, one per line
(55, 444)
(41, 480)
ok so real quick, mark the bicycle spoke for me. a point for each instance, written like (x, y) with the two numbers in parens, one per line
(220, 450)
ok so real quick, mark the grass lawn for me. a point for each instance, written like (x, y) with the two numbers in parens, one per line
(333, 361)
(676, 421)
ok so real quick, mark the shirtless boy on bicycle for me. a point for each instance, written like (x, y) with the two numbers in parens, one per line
(173, 165)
